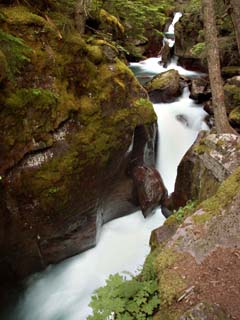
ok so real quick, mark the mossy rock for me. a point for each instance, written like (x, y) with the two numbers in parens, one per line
(164, 87)
(3, 66)
(230, 71)
(232, 96)
(234, 116)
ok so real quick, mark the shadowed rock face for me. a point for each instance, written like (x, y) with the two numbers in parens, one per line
(69, 141)
(150, 188)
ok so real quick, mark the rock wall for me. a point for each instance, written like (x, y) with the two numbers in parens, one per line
(70, 115)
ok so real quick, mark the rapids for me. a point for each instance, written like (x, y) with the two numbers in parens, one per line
(63, 291)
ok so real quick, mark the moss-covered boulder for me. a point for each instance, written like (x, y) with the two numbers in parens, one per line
(164, 87)
(232, 94)
(205, 166)
(234, 116)
(69, 112)
(230, 71)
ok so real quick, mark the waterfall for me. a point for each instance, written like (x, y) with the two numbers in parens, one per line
(63, 291)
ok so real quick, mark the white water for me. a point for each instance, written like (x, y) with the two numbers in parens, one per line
(63, 292)
(176, 18)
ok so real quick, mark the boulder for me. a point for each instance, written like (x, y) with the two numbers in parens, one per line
(200, 90)
(230, 71)
(234, 116)
(150, 188)
(232, 93)
(211, 159)
(164, 87)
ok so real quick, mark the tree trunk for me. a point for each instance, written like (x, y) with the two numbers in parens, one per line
(235, 15)
(81, 13)
(214, 68)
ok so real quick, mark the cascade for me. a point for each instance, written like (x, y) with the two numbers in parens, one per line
(63, 291)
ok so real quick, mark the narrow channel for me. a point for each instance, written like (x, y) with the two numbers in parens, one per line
(63, 291)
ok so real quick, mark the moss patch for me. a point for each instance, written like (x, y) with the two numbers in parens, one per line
(226, 192)
(170, 282)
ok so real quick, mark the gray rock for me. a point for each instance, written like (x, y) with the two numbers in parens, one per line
(205, 311)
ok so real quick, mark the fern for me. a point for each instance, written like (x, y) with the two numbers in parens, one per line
(122, 299)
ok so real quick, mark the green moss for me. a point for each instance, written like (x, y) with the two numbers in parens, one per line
(234, 115)
(201, 218)
(16, 53)
(170, 283)
(21, 15)
(163, 80)
(95, 53)
(233, 93)
(3, 66)
(178, 216)
(36, 97)
(231, 71)
(226, 192)
(201, 148)
(111, 20)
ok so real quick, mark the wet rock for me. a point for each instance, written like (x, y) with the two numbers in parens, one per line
(232, 93)
(164, 87)
(162, 234)
(150, 188)
(165, 54)
(234, 116)
(200, 90)
(208, 107)
(205, 311)
(230, 71)
(203, 168)
(183, 119)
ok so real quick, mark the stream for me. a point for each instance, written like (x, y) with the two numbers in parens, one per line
(63, 291)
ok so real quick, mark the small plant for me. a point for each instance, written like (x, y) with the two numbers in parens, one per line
(123, 299)
(183, 212)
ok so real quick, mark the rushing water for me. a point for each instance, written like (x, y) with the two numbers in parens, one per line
(62, 292)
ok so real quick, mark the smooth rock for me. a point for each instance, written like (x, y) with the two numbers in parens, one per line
(150, 188)
(164, 87)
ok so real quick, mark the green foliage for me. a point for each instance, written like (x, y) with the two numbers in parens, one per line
(132, 299)
(194, 6)
(15, 51)
(199, 49)
(140, 15)
(179, 215)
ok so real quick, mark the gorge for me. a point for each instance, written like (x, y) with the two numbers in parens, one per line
(82, 145)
